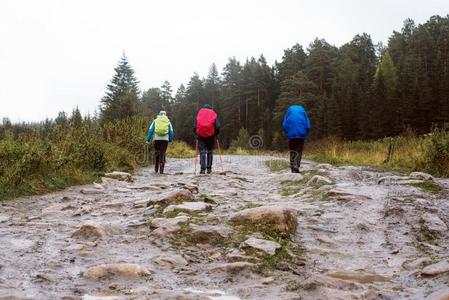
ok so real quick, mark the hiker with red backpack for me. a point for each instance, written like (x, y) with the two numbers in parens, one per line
(206, 128)
(163, 133)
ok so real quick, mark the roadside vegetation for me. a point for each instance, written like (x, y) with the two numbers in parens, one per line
(407, 152)
(38, 158)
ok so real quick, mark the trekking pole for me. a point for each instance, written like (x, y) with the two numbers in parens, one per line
(196, 155)
(219, 155)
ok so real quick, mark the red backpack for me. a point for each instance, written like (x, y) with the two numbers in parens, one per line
(205, 122)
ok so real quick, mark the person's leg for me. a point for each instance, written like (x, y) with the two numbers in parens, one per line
(299, 148)
(163, 150)
(157, 152)
(203, 154)
(293, 146)
(210, 153)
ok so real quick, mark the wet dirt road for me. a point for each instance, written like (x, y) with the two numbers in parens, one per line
(358, 233)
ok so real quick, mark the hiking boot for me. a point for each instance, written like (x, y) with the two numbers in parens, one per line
(295, 170)
(203, 172)
(209, 171)
(161, 168)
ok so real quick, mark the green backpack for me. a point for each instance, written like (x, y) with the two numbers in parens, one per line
(162, 125)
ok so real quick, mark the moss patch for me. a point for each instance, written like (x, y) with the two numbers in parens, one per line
(277, 165)
(291, 187)
(288, 253)
(428, 186)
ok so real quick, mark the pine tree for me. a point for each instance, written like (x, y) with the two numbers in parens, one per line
(166, 97)
(385, 86)
(76, 120)
(122, 95)
(152, 102)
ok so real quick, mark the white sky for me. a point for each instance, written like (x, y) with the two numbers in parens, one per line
(57, 54)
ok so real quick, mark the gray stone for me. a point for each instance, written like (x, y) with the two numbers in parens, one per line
(319, 180)
(89, 297)
(4, 218)
(289, 177)
(357, 276)
(324, 166)
(422, 176)
(269, 247)
(143, 187)
(53, 208)
(171, 259)
(212, 234)
(119, 176)
(91, 191)
(189, 207)
(434, 223)
(267, 280)
(442, 294)
(176, 196)
(81, 246)
(116, 270)
(280, 218)
(93, 231)
(240, 256)
(167, 226)
(233, 267)
(435, 269)
(410, 265)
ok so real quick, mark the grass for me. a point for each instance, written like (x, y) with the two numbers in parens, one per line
(180, 149)
(290, 187)
(45, 157)
(277, 165)
(429, 153)
(267, 262)
(428, 186)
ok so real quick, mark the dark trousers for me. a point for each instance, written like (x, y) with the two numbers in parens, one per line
(296, 146)
(160, 147)
(206, 146)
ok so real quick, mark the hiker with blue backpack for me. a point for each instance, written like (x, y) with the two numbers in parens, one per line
(206, 128)
(163, 133)
(296, 126)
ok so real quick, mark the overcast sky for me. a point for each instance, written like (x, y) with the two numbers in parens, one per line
(57, 54)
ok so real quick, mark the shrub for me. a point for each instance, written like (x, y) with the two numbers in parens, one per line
(242, 140)
(41, 158)
(180, 149)
(435, 153)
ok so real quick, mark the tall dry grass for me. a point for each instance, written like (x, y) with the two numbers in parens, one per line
(408, 152)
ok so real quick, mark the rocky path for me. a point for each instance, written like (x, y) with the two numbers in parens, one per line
(329, 233)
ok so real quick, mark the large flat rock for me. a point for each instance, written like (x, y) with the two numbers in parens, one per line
(269, 247)
(282, 219)
(116, 270)
(189, 207)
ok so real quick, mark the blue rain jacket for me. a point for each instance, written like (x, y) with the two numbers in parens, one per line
(296, 124)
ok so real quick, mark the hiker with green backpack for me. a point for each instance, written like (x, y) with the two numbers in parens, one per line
(163, 133)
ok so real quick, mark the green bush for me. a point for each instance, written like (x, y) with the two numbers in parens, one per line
(436, 153)
(38, 159)
(242, 140)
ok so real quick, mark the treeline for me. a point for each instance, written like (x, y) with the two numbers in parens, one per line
(357, 91)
